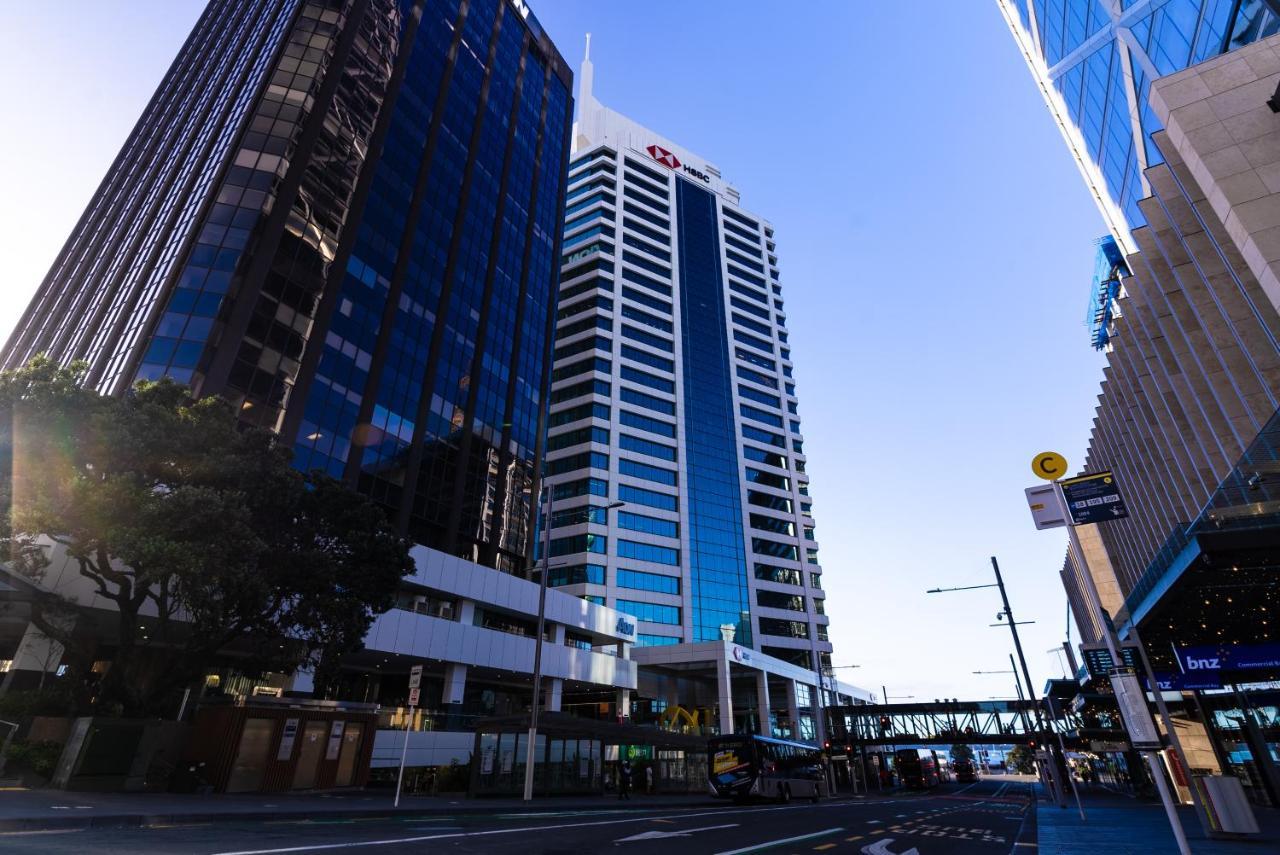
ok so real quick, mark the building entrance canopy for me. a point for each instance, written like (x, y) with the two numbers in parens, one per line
(1216, 582)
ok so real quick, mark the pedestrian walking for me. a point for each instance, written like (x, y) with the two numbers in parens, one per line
(624, 781)
(648, 778)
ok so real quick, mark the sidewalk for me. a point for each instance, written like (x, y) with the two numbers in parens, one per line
(1119, 825)
(30, 810)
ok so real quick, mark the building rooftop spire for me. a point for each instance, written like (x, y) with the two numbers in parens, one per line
(585, 76)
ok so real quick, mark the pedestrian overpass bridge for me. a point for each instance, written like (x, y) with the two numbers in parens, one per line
(941, 723)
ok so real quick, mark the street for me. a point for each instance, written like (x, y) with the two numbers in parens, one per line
(987, 817)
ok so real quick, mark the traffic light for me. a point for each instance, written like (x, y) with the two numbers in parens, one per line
(826, 746)
(885, 722)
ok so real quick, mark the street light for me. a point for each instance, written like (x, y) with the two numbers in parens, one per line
(1005, 615)
(537, 647)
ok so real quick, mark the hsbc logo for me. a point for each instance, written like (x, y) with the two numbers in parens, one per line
(663, 156)
(669, 160)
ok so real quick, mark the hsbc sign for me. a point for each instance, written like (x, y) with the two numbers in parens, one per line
(663, 156)
(669, 160)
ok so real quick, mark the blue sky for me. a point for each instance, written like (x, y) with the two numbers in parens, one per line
(935, 242)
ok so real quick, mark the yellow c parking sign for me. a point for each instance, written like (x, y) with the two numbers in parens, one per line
(1049, 465)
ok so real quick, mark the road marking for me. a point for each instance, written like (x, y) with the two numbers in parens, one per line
(756, 847)
(824, 847)
(34, 832)
(854, 838)
(682, 832)
(881, 847)
(523, 829)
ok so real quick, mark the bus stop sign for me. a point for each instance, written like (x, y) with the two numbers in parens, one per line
(1093, 498)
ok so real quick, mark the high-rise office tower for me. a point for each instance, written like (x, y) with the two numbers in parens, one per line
(1095, 60)
(672, 391)
(1167, 107)
(344, 216)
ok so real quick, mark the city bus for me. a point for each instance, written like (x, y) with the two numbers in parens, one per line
(742, 766)
(917, 768)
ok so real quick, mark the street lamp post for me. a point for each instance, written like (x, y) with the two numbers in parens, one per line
(537, 647)
(1007, 613)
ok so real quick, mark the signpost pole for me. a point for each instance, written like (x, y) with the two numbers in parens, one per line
(1095, 606)
(404, 751)
(1180, 754)
(415, 682)
(529, 756)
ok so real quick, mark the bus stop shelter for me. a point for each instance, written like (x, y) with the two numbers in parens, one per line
(575, 755)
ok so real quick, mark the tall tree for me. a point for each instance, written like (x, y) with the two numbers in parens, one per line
(199, 535)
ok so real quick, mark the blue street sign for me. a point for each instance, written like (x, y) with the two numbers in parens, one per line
(1227, 657)
(1093, 498)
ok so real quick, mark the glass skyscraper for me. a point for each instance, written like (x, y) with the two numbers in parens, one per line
(1094, 61)
(344, 216)
(673, 392)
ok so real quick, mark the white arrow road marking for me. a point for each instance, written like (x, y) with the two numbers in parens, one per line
(881, 847)
(655, 835)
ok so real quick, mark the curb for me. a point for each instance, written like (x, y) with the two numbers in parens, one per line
(474, 807)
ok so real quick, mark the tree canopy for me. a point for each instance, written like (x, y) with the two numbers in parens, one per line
(197, 532)
(961, 751)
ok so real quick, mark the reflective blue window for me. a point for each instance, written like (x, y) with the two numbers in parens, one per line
(577, 574)
(635, 375)
(649, 611)
(649, 525)
(640, 496)
(647, 472)
(636, 420)
(644, 446)
(716, 560)
(640, 399)
(645, 639)
(641, 581)
(578, 543)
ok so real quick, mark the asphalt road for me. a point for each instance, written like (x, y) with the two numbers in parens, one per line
(984, 818)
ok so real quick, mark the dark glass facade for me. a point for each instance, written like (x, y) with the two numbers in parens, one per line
(717, 561)
(344, 216)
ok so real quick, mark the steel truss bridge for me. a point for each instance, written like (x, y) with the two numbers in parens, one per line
(942, 723)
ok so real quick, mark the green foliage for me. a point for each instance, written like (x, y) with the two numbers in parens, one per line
(961, 751)
(1021, 759)
(56, 699)
(197, 531)
(38, 757)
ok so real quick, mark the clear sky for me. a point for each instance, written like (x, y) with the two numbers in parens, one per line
(935, 241)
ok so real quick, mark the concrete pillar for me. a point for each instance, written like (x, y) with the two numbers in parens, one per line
(555, 632)
(724, 696)
(624, 703)
(793, 709)
(552, 693)
(762, 703)
(466, 612)
(455, 683)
